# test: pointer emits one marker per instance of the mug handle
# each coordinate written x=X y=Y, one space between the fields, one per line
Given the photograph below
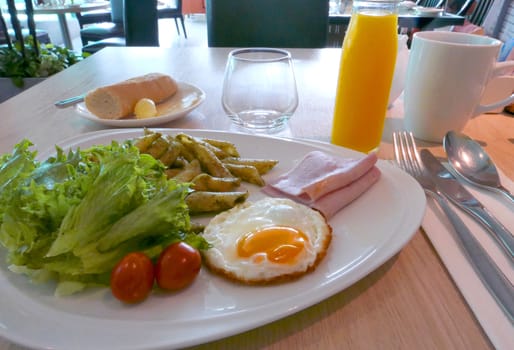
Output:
x=497 y=71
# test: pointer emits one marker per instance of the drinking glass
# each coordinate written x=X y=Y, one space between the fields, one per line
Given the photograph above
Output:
x=259 y=88
x=365 y=74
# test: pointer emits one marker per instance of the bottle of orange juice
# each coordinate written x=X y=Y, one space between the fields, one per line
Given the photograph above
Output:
x=365 y=75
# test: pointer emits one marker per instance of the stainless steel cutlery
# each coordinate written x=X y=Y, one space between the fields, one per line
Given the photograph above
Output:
x=410 y=160
x=461 y=197
x=471 y=162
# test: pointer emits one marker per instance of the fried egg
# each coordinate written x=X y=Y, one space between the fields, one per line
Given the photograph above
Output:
x=270 y=240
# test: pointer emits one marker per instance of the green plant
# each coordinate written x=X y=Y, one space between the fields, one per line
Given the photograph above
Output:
x=27 y=57
x=19 y=62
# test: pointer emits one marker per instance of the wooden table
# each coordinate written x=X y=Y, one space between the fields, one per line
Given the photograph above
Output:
x=62 y=10
x=410 y=302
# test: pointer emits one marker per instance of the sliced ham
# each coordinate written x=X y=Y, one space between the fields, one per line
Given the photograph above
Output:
x=326 y=182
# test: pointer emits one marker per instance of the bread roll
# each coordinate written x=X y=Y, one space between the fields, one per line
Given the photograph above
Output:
x=118 y=100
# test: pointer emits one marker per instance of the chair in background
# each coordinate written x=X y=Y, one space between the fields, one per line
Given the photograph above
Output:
x=174 y=12
x=474 y=11
x=337 y=31
x=106 y=29
x=140 y=21
x=478 y=13
x=430 y=3
x=465 y=8
x=271 y=23
x=41 y=35
x=93 y=17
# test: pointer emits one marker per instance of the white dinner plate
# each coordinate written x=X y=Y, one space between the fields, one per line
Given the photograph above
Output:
x=365 y=234
x=187 y=98
x=428 y=10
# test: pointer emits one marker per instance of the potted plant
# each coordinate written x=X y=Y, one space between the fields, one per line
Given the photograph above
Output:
x=26 y=58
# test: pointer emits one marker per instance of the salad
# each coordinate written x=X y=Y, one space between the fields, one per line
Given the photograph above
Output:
x=74 y=216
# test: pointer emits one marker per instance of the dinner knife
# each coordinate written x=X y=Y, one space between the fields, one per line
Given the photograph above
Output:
x=69 y=101
x=489 y=273
x=460 y=196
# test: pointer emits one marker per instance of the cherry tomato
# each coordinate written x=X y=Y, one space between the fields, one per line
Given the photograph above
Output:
x=177 y=266
x=132 y=278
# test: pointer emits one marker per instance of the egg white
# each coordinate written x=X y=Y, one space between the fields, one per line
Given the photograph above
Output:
x=225 y=229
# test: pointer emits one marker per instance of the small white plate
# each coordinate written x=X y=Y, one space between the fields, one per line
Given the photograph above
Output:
x=428 y=10
x=187 y=98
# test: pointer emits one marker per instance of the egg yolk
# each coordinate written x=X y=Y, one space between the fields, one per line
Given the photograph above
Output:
x=280 y=244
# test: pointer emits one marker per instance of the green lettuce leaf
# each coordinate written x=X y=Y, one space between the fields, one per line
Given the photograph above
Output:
x=74 y=216
x=15 y=168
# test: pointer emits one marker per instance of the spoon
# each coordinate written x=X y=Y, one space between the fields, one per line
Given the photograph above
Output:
x=470 y=161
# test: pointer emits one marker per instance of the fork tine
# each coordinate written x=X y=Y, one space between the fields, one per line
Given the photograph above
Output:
x=410 y=146
x=397 y=155
x=404 y=147
x=401 y=151
x=406 y=153
x=414 y=154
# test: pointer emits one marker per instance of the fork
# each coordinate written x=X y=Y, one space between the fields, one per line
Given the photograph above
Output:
x=408 y=159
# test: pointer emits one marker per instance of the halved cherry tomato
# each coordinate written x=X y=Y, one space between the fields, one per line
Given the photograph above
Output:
x=177 y=266
x=132 y=278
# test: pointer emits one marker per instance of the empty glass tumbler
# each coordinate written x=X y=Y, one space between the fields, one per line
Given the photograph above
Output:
x=259 y=88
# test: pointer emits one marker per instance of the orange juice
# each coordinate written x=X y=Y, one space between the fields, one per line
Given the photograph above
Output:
x=365 y=76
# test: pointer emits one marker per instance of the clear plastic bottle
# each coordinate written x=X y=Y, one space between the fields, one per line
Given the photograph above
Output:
x=365 y=75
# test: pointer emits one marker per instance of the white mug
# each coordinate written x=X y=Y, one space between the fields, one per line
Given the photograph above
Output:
x=446 y=77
